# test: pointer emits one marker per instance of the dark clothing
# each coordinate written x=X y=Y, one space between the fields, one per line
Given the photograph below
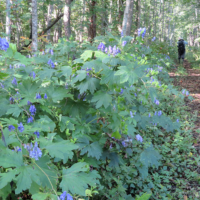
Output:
x=181 y=52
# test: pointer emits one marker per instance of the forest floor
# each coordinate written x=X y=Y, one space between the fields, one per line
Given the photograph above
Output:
x=190 y=82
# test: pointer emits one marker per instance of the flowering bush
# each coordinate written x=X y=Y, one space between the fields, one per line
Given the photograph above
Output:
x=84 y=124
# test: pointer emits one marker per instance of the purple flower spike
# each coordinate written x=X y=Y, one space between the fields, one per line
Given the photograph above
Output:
x=11 y=128
x=63 y=195
x=45 y=96
x=37 y=133
x=14 y=81
x=121 y=91
x=139 y=138
x=124 y=43
x=38 y=96
x=4 y=45
x=32 y=110
x=131 y=114
x=30 y=119
x=177 y=120
x=20 y=127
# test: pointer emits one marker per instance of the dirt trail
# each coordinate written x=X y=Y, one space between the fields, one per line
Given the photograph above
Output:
x=190 y=82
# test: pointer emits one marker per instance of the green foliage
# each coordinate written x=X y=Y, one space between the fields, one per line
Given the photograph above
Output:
x=100 y=133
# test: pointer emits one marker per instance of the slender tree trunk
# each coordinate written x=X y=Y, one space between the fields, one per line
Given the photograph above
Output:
x=120 y=14
x=137 y=21
x=49 y=20
x=8 y=20
x=67 y=15
x=92 y=26
x=163 y=20
x=104 y=18
x=110 y=16
x=155 y=17
x=128 y=15
x=34 y=26
x=82 y=21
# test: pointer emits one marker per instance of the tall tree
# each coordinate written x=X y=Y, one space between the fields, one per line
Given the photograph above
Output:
x=92 y=26
x=49 y=19
x=8 y=20
x=66 y=19
x=138 y=13
x=34 y=26
x=128 y=16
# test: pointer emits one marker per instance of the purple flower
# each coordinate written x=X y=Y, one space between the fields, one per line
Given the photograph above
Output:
x=139 y=138
x=38 y=96
x=111 y=146
x=159 y=113
x=30 y=119
x=142 y=31
x=34 y=75
x=153 y=39
x=110 y=49
x=106 y=50
x=64 y=195
x=20 y=127
x=156 y=101
x=34 y=152
x=4 y=45
x=50 y=62
x=135 y=94
x=11 y=99
x=183 y=92
x=149 y=114
x=124 y=144
x=14 y=81
x=131 y=114
x=32 y=110
x=11 y=128
x=37 y=133
x=121 y=91
x=101 y=47
x=51 y=51
x=18 y=149
x=45 y=96
x=124 y=43
x=187 y=93
x=177 y=120
x=122 y=34
x=29 y=103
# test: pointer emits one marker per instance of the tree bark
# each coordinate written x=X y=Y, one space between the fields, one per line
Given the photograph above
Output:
x=8 y=20
x=137 y=21
x=34 y=26
x=67 y=15
x=120 y=14
x=49 y=20
x=92 y=27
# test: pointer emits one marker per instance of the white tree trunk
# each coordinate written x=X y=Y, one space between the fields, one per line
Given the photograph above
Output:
x=110 y=16
x=67 y=13
x=8 y=20
x=49 y=20
x=128 y=15
x=34 y=26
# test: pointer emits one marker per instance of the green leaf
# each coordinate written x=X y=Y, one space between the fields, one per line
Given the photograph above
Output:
x=65 y=71
x=87 y=54
x=81 y=75
x=150 y=157
x=46 y=73
x=76 y=180
x=57 y=93
x=15 y=110
x=45 y=123
x=3 y=75
x=7 y=178
x=62 y=150
x=94 y=150
x=4 y=192
x=4 y=105
x=28 y=89
x=145 y=196
x=44 y=196
x=89 y=84
x=116 y=135
x=102 y=98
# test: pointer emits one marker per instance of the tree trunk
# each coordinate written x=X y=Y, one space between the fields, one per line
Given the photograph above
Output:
x=120 y=14
x=49 y=20
x=137 y=21
x=128 y=16
x=92 y=27
x=110 y=16
x=67 y=15
x=8 y=20
x=163 y=15
x=34 y=26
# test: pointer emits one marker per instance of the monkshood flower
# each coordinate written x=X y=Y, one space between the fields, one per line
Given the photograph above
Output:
x=121 y=91
x=111 y=146
x=65 y=196
x=159 y=113
x=124 y=144
x=4 y=45
x=106 y=50
x=131 y=114
x=50 y=63
x=37 y=133
x=187 y=93
x=156 y=101
x=1 y=85
x=11 y=99
x=11 y=128
x=38 y=96
x=45 y=96
x=124 y=43
x=30 y=119
x=51 y=51
x=33 y=73
x=101 y=47
x=183 y=92
x=135 y=95
x=143 y=31
x=14 y=81
x=20 y=127
x=122 y=34
x=29 y=103
x=11 y=67
x=153 y=39
x=34 y=151
x=110 y=49
x=17 y=149
x=139 y=138
x=177 y=120
x=32 y=110
x=155 y=113
x=149 y=114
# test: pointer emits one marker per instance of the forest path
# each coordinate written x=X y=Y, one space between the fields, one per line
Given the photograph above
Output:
x=190 y=82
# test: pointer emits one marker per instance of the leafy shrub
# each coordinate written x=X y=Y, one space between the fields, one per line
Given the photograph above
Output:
x=95 y=126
